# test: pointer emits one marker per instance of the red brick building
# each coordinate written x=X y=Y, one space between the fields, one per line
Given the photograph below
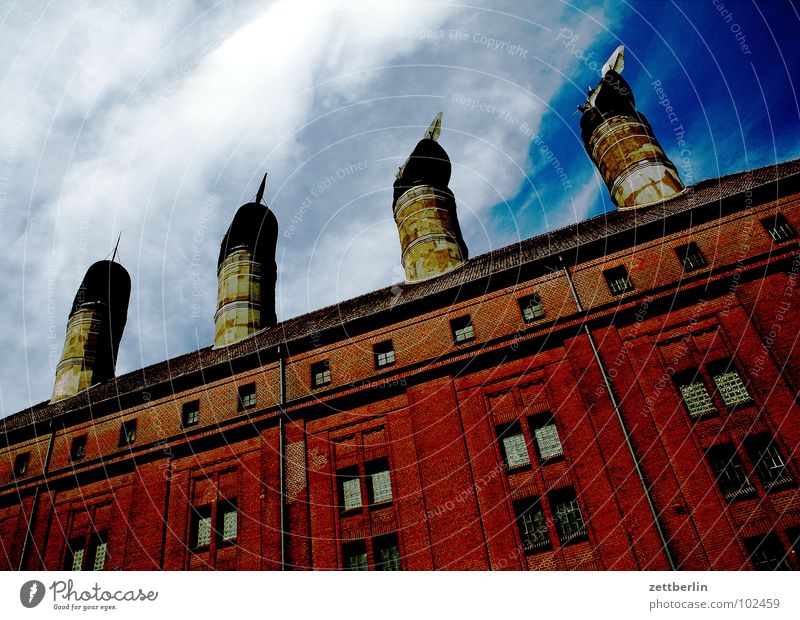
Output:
x=617 y=394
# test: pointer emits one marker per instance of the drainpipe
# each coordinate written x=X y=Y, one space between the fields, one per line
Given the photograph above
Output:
x=621 y=422
x=281 y=458
x=29 y=531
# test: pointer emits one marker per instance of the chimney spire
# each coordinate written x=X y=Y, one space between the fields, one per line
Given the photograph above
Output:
x=620 y=141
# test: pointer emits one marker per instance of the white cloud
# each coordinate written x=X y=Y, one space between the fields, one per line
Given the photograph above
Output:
x=159 y=123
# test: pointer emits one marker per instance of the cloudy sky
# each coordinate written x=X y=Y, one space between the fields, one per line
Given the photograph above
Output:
x=158 y=119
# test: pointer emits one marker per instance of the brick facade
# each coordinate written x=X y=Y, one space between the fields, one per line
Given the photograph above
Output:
x=453 y=423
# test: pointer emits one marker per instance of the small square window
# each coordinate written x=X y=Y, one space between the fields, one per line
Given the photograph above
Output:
x=532 y=525
x=127 y=433
x=730 y=386
x=191 y=413
x=349 y=490
x=545 y=434
x=320 y=373
x=247 y=396
x=531 y=308
x=380 y=482
x=201 y=527
x=354 y=555
x=228 y=518
x=462 y=329
x=78 y=449
x=690 y=256
x=729 y=472
x=387 y=553
x=617 y=280
x=768 y=461
x=567 y=515
x=384 y=354
x=696 y=397
x=515 y=450
x=778 y=228
x=767 y=552
x=21 y=464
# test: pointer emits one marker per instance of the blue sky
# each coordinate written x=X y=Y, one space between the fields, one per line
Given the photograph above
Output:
x=158 y=120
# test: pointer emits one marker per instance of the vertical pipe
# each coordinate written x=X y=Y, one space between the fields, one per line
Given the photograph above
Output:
x=621 y=421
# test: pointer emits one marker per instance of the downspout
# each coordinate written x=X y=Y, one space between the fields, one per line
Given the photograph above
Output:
x=281 y=463
x=621 y=422
x=29 y=531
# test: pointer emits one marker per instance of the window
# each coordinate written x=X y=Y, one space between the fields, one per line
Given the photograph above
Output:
x=567 y=515
x=545 y=434
x=694 y=393
x=228 y=520
x=87 y=552
x=247 y=396
x=380 y=482
x=767 y=552
x=532 y=525
x=191 y=412
x=531 y=308
x=730 y=386
x=387 y=553
x=354 y=555
x=320 y=373
x=462 y=329
x=778 y=228
x=201 y=527
x=729 y=471
x=78 y=449
x=515 y=450
x=384 y=354
x=127 y=433
x=350 y=490
x=768 y=462
x=617 y=280
x=21 y=464
x=690 y=256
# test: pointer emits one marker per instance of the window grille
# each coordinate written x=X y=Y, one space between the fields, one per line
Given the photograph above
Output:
x=355 y=556
x=320 y=373
x=462 y=328
x=100 y=555
x=617 y=280
x=247 y=396
x=384 y=354
x=768 y=462
x=767 y=553
x=515 y=450
x=696 y=398
x=533 y=529
x=77 y=560
x=531 y=308
x=203 y=531
x=191 y=412
x=381 y=486
x=78 y=450
x=568 y=517
x=387 y=553
x=351 y=489
x=230 y=523
x=127 y=433
x=730 y=473
x=778 y=228
x=690 y=256
x=731 y=388
x=548 y=442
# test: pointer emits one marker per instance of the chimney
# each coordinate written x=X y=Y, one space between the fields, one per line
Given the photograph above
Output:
x=247 y=273
x=94 y=329
x=621 y=143
x=425 y=211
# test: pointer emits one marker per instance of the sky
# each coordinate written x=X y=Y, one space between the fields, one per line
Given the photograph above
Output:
x=157 y=120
